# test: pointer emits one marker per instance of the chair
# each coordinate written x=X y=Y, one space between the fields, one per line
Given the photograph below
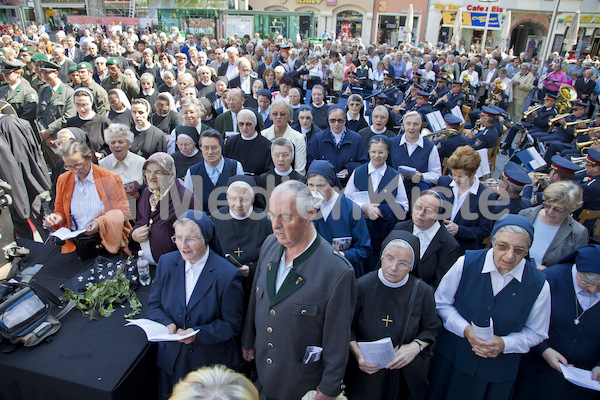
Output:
x=445 y=166
x=492 y=153
x=465 y=110
x=586 y=215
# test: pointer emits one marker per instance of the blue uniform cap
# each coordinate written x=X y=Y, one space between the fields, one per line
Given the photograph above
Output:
x=352 y=73
x=581 y=104
x=585 y=257
x=593 y=156
x=550 y=96
x=452 y=119
x=382 y=96
x=563 y=165
x=517 y=220
x=489 y=111
x=459 y=83
x=515 y=174
x=422 y=93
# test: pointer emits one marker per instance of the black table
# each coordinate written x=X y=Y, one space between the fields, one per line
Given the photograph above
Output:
x=87 y=360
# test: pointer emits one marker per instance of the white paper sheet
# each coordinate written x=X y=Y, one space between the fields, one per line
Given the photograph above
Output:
x=380 y=352
x=580 y=377
x=436 y=121
x=484 y=333
x=457 y=112
x=359 y=198
x=156 y=332
x=65 y=233
x=484 y=165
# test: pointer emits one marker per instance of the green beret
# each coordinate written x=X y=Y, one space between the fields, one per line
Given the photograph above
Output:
x=39 y=56
x=112 y=61
x=72 y=69
x=84 y=65
x=26 y=49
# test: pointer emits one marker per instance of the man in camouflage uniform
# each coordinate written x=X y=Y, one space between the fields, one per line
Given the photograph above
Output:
x=116 y=79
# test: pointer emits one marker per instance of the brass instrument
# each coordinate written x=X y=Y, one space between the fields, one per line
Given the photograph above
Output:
x=558 y=117
x=466 y=85
x=581 y=121
x=499 y=87
x=587 y=130
x=531 y=110
x=566 y=95
x=541 y=176
x=579 y=160
x=492 y=184
x=585 y=146
x=439 y=135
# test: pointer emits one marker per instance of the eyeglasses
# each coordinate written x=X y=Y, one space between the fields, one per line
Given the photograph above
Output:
x=428 y=211
x=185 y=240
x=243 y=200
x=390 y=261
x=557 y=210
x=155 y=173
x=337 y=121
x=519 y=251
x=284 y=217
x=76 y=166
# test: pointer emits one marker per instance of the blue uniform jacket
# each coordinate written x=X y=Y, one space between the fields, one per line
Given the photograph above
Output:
x=351 y=154
x=485 y=138
x=215 y=308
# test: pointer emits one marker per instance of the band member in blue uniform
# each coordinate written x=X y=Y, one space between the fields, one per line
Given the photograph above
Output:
x=423 y=106
x=452 y=99
x=561 y=169
x=538 y=124
x=448 y=145
x=487 y=136
x=590 y=184
x=573 y=336
x=513 y=180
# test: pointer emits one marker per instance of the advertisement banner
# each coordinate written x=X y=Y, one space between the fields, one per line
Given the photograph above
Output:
x=472 y=19
x=204 y=27
x=346 y=33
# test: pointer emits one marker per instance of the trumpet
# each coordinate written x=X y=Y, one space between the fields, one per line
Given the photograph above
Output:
x=541 y=176
x=531 y=110
x=558 y=117
x=581 y=121
x=585 y=146
x=579 y=160
x=587 y=130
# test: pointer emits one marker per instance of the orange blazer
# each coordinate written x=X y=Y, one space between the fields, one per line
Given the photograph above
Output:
x=110 y=189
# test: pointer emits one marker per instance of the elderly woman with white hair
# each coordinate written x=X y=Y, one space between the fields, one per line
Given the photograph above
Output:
x=121 y=161
x=205 y=85
x=242 y=228
x=392 y=303
x=191 y=112
x=249 y=147
x=214 y=383
x=495 y=306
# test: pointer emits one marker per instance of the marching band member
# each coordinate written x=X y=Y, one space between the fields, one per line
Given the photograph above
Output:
x=487 y=136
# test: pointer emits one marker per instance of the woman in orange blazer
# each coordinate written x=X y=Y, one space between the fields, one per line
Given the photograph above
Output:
x=88 y=197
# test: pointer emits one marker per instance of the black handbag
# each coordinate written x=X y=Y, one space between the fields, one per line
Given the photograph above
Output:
x=88 y=246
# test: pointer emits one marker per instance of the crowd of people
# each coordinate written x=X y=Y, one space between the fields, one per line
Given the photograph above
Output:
x=299 y=200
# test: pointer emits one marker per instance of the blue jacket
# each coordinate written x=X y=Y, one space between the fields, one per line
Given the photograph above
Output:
x=471 y=231
x=351 y=154
x=346 y=220
x=485 y=138
x=215 y=308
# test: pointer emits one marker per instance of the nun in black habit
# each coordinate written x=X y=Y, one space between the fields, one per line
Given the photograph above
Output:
x=393 y=303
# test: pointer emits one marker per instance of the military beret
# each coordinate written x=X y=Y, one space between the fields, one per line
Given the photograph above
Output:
x=112 y=61
x=84 y=65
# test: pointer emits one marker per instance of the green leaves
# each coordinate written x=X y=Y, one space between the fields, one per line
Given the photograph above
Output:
x=103 y=296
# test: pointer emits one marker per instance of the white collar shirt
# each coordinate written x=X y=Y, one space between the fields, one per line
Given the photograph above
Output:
x=426 y=236
x=192 y=274
x=458 y=201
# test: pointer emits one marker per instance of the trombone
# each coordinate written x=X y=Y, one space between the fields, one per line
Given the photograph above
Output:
x=532 y=109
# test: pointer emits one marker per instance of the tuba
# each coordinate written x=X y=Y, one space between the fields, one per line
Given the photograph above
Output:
x=499 y=87
x=566 y=95
x=466 y=85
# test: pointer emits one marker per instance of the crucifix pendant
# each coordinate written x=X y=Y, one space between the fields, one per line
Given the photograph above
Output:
x=238 y=252
x=387 y=320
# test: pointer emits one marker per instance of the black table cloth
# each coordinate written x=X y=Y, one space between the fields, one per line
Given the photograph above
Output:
x=88 y=360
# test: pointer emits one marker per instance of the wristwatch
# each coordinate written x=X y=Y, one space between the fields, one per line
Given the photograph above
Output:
x=420 y=345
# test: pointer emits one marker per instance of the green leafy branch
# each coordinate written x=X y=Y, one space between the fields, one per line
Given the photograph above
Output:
x=102 y=297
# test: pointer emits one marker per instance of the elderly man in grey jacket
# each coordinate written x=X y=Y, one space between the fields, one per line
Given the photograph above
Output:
x=302 y=303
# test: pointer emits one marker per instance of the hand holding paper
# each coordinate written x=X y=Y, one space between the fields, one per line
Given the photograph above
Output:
x=156 y=332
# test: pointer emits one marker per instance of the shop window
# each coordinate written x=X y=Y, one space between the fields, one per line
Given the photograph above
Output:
x=349 y=24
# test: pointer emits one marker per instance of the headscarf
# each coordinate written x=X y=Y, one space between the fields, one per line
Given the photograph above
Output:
x=388 y=161
x=586 y=258
x=306 y=107
x=167 y=164
x=123 y=98
x=326 y=170
x=412 y=241
x=517 y=220
x=189 y=132
x=207 y=228
x=170 y=98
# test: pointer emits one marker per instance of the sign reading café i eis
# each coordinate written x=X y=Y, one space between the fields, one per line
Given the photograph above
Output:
x=474 y=8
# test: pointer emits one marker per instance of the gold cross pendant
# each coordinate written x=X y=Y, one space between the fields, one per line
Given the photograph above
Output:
x=387 y=320
x=238 y=252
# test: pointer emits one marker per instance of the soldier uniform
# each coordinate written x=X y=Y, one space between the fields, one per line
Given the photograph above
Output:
x=101 y=105
x=123 y=82
x=22 y=97
x=55 y=105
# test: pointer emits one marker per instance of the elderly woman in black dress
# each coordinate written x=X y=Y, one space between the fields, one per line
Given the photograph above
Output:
x=393 y=303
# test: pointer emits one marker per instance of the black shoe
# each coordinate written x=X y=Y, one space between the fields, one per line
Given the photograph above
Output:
x=504 y=152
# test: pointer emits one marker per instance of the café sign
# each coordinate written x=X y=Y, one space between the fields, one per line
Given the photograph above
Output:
x=476 y=8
